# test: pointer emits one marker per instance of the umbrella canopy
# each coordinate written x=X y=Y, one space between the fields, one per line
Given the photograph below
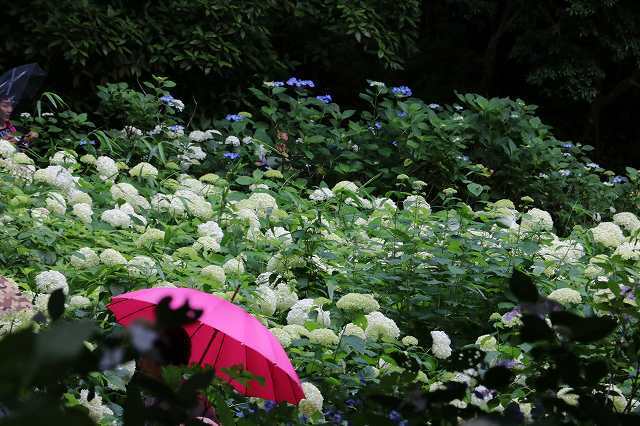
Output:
x=22 y=82
x=224 y=336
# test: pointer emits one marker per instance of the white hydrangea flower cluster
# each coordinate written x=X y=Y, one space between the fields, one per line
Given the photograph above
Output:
x=97 y=410
x=441 y=344
x=321 y=194
x=536 y=220
x=628 y=221
x=565 y=296
x=111 y=257
x=142 y=266
x=380 y=327
x=608 y=234
x=214 y=272
x=63 y=158
x=49 y=281
x=144 y=170
x=85 y=258
x=313 y=400
x=358 y=302
x=107 y=168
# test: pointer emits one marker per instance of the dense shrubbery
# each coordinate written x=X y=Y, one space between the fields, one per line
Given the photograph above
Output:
x=397 y=276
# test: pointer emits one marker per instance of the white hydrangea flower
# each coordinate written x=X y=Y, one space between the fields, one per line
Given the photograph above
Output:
x=285 y=297
x=128 y=193
x=487 y=343
x=313 y=400
x=628 y=250
x=56 y=203
x=39 y=214
x=142 y=266
x=264 y=300
x=566 y=394
x=111 y=257
x=88 y=159
x=211 y=229
x=83 y=212
x=321 y=194
x=352 y=329
x=345 y=185
x=63 y=158
x=283 y=337
x=78 y=302
x=627 y=220
x=608 y=234
x=116 y=218
x=409 y=341
x=207 y=244
x=358 y=302
x=150 y=236
x=281 y=234
x=49 y=281
x=563 y=251
x=295 y=331
x=107 y=168
x=85 y=258
x=7 y=149
x=144 y=170
x=214 y=272
x=441 y=344
x=299 y=313
x=565 y=296
x=199 y=136
x=379 y=326
x=323 y=336
x=416 y=202
x=56 y=176
x=233 y=266
x=536 y=220
x=132 y=131
x=250 y=217
x=232 y=140
x=97 y=410
x=75 y=196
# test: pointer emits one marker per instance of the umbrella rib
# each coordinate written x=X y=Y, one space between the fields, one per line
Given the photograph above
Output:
x=196 y=332
x=204 y=353
x=135 y=312
x=219 y=350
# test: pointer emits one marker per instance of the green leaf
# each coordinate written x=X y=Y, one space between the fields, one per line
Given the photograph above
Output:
x=475 y=188
x=244 y=180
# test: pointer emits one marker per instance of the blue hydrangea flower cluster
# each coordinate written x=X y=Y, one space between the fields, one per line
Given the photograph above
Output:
x=401 y=91
x=172 y=102
x=294 y=82
x=401 y=114
x=619 y=179
x=325 y=99
x=176 y=128
x=234 y=117
x=568 y=145
x=231 y=155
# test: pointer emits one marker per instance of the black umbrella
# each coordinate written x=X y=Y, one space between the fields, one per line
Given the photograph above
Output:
x=21 y=82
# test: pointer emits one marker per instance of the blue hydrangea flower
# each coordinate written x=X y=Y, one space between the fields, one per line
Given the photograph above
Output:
x=176 y=128
x=378 y=125
x=231 y=155
x=568 y=145
x=434 y=106
x=394 y=416
x=234 y=117
x=564 y=172
x=592 y=165
x=619 y=179
x=401 y=91
x=167 y=99
x=293 y=81
x=269 y=405
x=278 y=83
x=325 y=99
x=401 y=114
x=86 y=142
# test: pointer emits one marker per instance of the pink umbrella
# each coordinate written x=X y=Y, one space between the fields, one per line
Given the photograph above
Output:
x=224 y=336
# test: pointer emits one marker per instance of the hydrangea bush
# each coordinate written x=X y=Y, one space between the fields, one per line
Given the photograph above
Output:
x=369 y=292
